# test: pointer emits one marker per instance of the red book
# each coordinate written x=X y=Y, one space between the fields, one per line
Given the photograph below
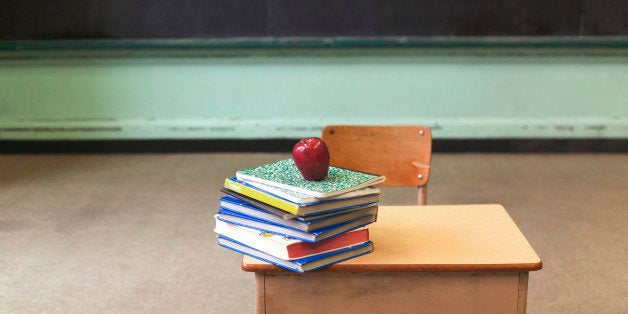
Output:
x=286 y=248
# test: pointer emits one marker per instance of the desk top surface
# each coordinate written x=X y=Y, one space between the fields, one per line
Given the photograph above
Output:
x=437 y=238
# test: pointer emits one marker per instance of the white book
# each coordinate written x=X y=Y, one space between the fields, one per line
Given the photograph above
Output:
x=310 y=223
x=286 y=248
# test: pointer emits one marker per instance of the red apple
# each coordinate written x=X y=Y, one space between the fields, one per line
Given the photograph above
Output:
x=312 y=158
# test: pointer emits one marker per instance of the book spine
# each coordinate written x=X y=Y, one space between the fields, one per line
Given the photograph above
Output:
x=261 y=196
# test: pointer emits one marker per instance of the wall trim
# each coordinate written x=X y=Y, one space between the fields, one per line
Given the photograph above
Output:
x=310 y=46
x=285 y=146
x=512 y=128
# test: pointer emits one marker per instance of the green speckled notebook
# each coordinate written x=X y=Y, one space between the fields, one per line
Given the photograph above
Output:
x=284 y=174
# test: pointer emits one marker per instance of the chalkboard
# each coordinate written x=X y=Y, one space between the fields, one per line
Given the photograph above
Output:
x=145 y=19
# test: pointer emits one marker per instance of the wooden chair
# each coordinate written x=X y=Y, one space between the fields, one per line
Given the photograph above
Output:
x=401 y=153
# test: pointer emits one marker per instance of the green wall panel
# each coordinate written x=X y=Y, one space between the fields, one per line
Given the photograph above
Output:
x=460 y=94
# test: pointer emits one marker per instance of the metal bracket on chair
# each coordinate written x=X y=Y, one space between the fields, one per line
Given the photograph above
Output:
x=423 y=172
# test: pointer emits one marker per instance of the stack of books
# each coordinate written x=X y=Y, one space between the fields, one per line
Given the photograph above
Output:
x=273 y=214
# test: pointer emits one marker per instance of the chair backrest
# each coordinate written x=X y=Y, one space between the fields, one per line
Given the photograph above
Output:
x=401 y=153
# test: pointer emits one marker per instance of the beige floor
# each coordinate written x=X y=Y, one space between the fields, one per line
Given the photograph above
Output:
x=133 y=233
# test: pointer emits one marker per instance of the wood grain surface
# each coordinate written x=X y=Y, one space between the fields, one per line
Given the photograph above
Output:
x=437 y=238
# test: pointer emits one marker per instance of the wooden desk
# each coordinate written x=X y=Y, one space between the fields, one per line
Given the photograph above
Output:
x=428 y=259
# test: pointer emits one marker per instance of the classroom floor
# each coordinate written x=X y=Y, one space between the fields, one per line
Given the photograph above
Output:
x=133 y=233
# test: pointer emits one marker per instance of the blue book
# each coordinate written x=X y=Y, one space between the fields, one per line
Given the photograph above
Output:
x=310 y=223
x=299 y=265
x=312 y=236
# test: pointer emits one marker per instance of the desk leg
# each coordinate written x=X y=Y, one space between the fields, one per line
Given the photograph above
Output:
x=260 y=303
x=522 y=298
